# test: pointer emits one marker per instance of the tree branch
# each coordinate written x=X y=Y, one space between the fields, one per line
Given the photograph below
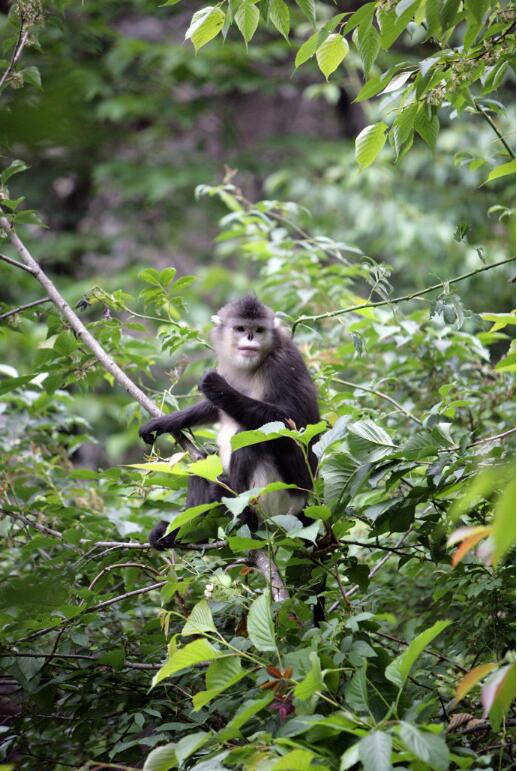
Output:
x=380 y=395
x=16 y=53
x=16 y=264
x=481 y=110
x=21 y=308
x=82 y=332
x=395 y=300
x=51 y=655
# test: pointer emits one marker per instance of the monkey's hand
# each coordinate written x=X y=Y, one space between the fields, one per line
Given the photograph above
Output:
x=164 y=425
x=213 y=386
x=159 y=540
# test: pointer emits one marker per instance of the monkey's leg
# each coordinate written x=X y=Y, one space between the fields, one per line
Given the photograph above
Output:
x=199 y=491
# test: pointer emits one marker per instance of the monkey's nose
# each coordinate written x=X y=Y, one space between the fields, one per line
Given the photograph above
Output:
x=250 y=335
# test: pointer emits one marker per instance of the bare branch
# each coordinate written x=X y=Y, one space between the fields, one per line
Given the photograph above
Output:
x=75 y=656
x=16 y=263
x=82 y=332
x=31 y=523
x=440 y=656
x=108 y=568
x=16 y=53
x=395 y=300
x=380 y=395
x=25 y=307
x=266 y=565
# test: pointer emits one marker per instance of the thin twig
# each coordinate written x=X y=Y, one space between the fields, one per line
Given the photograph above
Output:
x=21 y=308
x=108 y=568
x=380 y=547
x=381 y=395
x=51 y=655
x=93 y=609
x=16 y=53
x=494 y=128
x=485 y=439
x=31 y=523
x=378 y=565
x=437 y=655
x=266 y=565
x=16 y=264
x=395 y=300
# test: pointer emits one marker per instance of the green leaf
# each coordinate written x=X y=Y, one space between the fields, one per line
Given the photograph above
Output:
x=373 y=86
x=161 y=758
x=189 y=515
x=296 y=760
x=209 y=468
x=362 y=15
x=369 y=143
x=477 y=8
x=248 y=710
x=162 y=467
x=260 y=624
x=375 y=751
x=280 y=17
x=398 y=671
x=200 y=620
x=503 y=529
x=392 y=26
x=266 y=433
x=337 y=472
x=331 y=53
x=367 y=439
x=247 y=19
x=421 y=445
x=502 y=171
x=357 y=691
x=221 y=675
x=312 y=682
x=193 y=653
x=427 y=747
x=308 y=8
x=308 y=49
x=239 y=544
x=428 y=128
x=16 y=167
x=205 y=25
x=317 y=512
x=368 y=44
x=189 y=744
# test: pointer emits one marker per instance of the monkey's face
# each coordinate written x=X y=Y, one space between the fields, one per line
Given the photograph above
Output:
x=244 y=343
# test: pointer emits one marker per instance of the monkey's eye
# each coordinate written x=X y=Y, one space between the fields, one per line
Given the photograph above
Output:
x=260 y=330
x=240 y=329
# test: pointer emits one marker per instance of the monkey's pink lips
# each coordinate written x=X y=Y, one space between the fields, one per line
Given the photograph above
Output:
x=248 y=352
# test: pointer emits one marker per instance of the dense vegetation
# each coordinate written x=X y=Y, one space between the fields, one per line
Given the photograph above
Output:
x=353 y=164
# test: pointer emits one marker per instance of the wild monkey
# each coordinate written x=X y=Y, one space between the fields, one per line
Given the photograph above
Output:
x=261 y=377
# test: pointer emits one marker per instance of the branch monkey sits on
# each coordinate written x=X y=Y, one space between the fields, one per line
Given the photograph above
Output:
x=261 y=377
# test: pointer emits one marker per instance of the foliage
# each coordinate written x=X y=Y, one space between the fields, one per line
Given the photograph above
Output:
x=113 y=654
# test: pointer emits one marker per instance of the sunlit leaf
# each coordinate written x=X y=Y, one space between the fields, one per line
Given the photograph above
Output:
x=368 y=144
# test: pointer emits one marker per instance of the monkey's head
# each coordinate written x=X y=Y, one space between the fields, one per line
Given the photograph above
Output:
x=244 y=333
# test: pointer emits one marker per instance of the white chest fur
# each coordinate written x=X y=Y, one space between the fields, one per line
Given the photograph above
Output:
x=279 y=502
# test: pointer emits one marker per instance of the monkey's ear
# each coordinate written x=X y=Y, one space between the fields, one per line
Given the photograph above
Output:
x=277 y=322
x=216 y=319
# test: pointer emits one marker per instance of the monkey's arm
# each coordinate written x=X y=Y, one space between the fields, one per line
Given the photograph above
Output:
x=203 y=412
x=250 y=413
